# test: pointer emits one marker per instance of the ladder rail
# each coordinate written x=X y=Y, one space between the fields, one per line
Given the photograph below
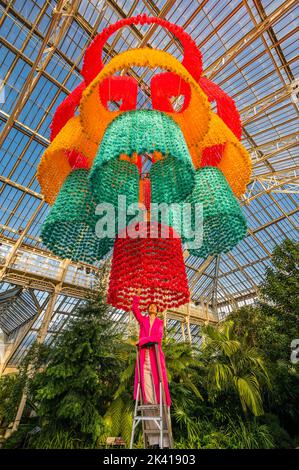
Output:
x=134 y=424
x=161 y=414
x=167 y=413
x=138 y=398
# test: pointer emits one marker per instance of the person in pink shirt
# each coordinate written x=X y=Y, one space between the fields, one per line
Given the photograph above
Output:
x=150 y=331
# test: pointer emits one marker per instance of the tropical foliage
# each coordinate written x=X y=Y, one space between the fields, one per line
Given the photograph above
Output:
x=75 y=387
x=239 y=389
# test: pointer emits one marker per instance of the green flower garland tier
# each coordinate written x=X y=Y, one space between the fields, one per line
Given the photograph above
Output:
x=218 y=221
x=139 y=132
x=69 y=228
x=224 y=224
x=113 y=179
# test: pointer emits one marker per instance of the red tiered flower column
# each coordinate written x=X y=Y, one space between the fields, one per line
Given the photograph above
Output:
x=150 y=265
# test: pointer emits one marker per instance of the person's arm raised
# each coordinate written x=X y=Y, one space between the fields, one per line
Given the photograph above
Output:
x=136 y=310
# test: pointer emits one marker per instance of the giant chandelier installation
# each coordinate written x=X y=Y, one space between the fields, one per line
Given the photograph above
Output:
x=95 y=156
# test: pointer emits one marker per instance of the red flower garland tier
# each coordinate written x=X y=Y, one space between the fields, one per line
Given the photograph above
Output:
x=148 y=258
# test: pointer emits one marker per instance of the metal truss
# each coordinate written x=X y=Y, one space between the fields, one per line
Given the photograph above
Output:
x=219 y=284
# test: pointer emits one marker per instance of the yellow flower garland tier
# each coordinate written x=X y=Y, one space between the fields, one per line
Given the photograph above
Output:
x=54 y=166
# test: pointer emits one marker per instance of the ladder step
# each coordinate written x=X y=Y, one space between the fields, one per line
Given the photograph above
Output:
x=154 y=431
x=148 y=407
x=147 y=418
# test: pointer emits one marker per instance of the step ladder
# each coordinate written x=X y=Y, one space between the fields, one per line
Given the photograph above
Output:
x=158 y=414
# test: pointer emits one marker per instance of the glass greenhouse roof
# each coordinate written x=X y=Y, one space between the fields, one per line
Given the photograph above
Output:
x=249 y=49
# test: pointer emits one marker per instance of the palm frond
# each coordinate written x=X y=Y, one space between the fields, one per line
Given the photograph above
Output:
x=219 y=375
x=249 y=394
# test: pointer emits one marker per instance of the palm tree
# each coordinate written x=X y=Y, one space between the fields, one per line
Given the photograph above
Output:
x=234 y=365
